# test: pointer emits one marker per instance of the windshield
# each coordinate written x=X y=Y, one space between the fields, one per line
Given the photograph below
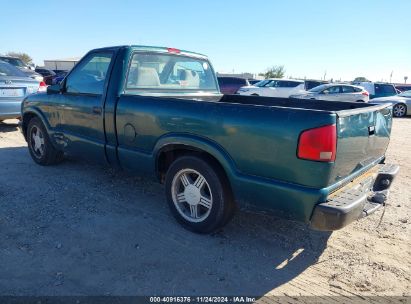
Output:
x=317 y=89
x=13 y=61
x=158 y=72
x=9 y=70
x=405 y=94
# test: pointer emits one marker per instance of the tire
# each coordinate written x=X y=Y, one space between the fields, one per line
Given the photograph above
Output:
x=254 y=94
x=360 y=100
x=400 y=110
x=198 y=194
x=40 y=147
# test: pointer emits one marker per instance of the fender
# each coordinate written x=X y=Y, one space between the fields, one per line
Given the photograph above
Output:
x=33 y=110
x=199 y=143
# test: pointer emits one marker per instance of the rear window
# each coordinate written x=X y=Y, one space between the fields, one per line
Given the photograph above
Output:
x=385 y=88
x=288 y=84
x=169 y=72
x=13 y=61
x=347 y=89
x=9 y=70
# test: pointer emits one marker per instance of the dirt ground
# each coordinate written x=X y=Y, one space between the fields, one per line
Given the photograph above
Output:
x=81 y=229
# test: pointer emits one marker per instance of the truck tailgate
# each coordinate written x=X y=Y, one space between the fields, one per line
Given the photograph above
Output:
x=363 y=137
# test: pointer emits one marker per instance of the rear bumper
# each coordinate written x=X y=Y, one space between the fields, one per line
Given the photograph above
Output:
x=358 y=199
x=10 y=109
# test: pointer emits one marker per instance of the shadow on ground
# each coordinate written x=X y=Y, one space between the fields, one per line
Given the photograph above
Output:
x=80 y=229
x=8 y=127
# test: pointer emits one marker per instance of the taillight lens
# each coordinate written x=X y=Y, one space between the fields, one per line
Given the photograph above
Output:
x=319 y=144
x=42 y=87
x=365 y=93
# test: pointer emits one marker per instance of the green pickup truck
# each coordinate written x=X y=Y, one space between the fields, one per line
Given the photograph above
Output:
x=159 y=113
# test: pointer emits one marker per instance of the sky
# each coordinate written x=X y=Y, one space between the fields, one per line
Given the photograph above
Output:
x=312 y=39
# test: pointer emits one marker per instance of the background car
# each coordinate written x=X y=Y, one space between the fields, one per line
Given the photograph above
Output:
x=18 y=63
x=230 y=85
x=274 y=87
x=47 y=74
x=253 y=81
x=404 y=87
x=336 y=92
x=377 y=89
x=401 y=102
x=310 y=84
x=14 y=86
x=59 y=77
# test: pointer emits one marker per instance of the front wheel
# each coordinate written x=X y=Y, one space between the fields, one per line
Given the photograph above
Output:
x=40 y=147
x=400 y=110
x=198 y=194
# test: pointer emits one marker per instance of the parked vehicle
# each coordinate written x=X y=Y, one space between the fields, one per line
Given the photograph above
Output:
x=59 y=77
x=401 y=102
x=336 y=92
x=26 y=69
x=403 y=88
x=253 y=81
x=377 y=89
x=274 y=88
x=310 y=84
x=14 y=86
x=47 y=74
x=230 y=85
x=158 y=112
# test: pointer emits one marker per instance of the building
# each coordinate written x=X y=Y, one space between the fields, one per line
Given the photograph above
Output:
x=61 y=64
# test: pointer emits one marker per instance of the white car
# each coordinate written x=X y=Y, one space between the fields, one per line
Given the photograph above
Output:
x=274 y=87
x=336 y=92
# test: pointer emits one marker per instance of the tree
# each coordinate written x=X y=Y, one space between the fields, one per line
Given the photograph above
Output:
x=276 y=71
x=23 y=56
x=360 y=79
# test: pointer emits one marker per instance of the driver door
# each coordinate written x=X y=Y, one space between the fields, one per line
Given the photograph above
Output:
x=82 y=102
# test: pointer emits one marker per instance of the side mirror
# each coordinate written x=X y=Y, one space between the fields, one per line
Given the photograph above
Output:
x=55 y=89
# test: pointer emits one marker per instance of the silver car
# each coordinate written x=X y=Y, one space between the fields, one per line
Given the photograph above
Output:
x=14 y=86
x=401 y=102
x=336 y=92
x=26 y=69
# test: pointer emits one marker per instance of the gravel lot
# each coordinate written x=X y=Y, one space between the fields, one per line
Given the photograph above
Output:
x=81 y=229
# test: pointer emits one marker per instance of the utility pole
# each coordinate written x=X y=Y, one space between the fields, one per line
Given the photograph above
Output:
x=405 y=79
x=391 y=76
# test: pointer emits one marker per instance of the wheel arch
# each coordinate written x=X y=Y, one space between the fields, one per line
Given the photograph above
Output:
x=29 y=115
x=170 y=148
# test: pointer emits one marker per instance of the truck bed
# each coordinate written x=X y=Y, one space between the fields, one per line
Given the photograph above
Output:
x=318 y=105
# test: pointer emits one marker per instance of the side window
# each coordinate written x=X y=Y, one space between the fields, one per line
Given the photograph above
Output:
x=332 y=90
x=388 y=89
x=89 y=76
x=293 y=84
x=347 y=89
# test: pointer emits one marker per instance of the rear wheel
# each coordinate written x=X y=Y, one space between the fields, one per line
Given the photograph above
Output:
x=400 y=110
x=40 y=147
x=254 y=94
x=198 y=194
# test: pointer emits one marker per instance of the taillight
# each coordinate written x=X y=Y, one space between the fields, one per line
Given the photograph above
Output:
x=173 y=50
x=365 y=93
x=42 y=87
x=319 y=144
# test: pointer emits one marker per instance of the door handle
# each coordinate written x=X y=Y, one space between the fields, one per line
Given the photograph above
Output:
x=97 y=110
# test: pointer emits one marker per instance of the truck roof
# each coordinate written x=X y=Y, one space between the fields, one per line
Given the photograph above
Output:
x=159 y=49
